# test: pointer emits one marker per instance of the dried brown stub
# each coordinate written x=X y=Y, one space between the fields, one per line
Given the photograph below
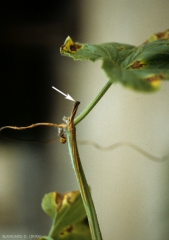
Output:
x=62 y=135
x=63 y=139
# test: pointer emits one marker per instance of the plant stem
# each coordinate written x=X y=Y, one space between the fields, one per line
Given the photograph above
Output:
x=93 y=103
x=77 y=166
x=81 y=179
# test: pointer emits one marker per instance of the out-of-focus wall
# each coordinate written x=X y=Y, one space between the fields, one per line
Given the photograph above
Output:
x=130 y=191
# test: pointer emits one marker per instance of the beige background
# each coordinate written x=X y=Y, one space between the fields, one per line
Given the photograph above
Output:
x=129 y=190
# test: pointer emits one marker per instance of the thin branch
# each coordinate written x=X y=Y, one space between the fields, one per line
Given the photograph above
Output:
x=35 y=125
x=94 y=102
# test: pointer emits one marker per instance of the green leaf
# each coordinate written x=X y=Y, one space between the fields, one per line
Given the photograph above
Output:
x=153 y=55
x=114 y=51
x=140 y=68
x=69 y=221
x=126 y=77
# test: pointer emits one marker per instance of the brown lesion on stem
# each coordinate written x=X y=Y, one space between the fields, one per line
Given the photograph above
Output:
x=73 y=113
x=77 y=164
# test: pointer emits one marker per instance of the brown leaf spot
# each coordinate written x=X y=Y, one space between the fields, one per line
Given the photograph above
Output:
x=70 y=197
x=59 y=200
x=154 y=78
x=70 y=46
x=158 y=36
x=163 y=35
x=137 y=65
x=121 y=48
x=67 y=230
x=74 y=47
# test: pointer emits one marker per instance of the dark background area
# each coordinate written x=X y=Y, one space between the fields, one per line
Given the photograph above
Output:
x=31 y=32
x=31 y=35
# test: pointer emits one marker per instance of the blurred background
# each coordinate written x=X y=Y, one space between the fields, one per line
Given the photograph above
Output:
x=130 y=191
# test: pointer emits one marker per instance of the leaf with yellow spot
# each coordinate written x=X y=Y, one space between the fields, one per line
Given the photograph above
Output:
x=70 y=46
x=157 y=36
x=69 y=221
x=141 y=68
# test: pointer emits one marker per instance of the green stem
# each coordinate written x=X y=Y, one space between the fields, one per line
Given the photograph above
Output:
x=93 y=103
x=83 y=185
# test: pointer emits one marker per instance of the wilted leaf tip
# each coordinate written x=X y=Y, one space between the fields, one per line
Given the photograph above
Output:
x=69 y=46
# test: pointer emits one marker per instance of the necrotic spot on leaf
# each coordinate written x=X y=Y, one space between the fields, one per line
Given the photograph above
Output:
x=74 y=47
x=67 y=230
x=155 y=80
x=137 y=65
x=70 y=46
x=163 y=35
x=59 y=200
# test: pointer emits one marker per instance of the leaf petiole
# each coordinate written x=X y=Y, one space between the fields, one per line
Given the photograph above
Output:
x=94 y=102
